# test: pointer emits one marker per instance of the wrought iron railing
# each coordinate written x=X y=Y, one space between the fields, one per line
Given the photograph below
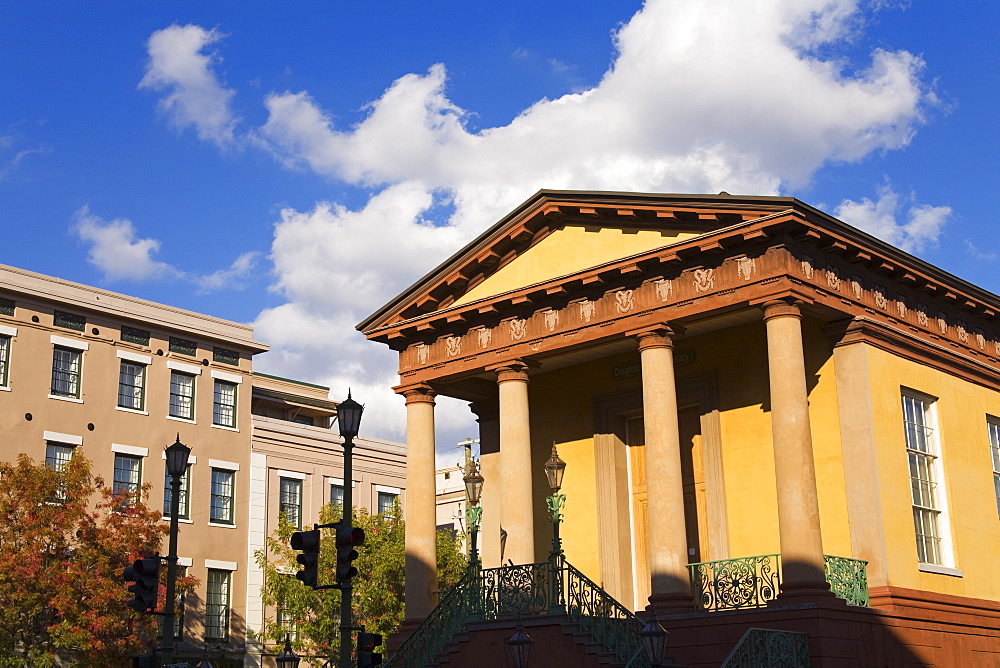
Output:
x=848 y=579
x=769 y=648
x=735 y=584
x=552 y=587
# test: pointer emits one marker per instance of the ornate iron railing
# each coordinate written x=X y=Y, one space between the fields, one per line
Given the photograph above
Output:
x=769 y=648
x=606 y=620
x=735 y=584
x=517 y=590
x=848 y=579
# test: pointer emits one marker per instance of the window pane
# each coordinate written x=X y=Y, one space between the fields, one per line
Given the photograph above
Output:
x=69 y=321
x=133 y=335
x=182 y=346
x=337 y=495
x=183 y=498
x=222 y=496
x=217 y=605
x=131 y=383
x=181 y=395
x=922 y=454
x=4 y=359
x=66 y=372
x=127 y=474
x=224 y=412
x=290 y=504
x=57 y=455
x=385 y=502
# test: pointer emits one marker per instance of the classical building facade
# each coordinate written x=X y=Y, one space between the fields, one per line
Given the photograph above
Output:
x=756 y=402
x=117 y=379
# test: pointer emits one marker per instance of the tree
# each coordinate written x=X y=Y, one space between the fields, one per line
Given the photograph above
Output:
x=65 y=538
x=313 y=617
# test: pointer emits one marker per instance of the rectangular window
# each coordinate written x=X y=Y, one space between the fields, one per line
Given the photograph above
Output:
x=6 y=306
x=133 y=335
x=132 y=385
x=179 y=610
x=225 y=356
x=217 y=605
x=66 y=372
x=57 y=455
x=69 y=321
x=386 y=501
x=4 y=360
x=224 y=407
x=923 y=452
x=182 y=504
x=994 y=427
x=182 y=346
x=286 y=620
x=128 y=475
x=222 y=496
x=181 y=395
x=290 y=503
x=337 y=494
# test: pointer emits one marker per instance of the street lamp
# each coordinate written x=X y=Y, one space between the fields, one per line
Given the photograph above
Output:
x=177 y=460
x=555 y=467
x=349 y=419
x=288 y=658
x=473 y=512
x=519 y=645
x=654 y=641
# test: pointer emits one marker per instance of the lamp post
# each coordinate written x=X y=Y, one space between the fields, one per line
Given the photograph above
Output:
x=177 y=459
x=288 y=658
x=555 y=467
x=349 y=418
x=519 y=645
x=654 y=641
x=473 y=512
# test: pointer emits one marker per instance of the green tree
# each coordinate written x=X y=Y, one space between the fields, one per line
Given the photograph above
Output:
x=65 y=538
x=313 y=617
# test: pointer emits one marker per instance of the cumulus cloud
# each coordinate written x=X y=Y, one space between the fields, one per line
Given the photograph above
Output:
x=181 y=67
x=699 y=97
x=118 y=252
x=900 y=221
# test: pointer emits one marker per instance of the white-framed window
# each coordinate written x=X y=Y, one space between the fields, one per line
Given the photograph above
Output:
x=66 y=368
x=132 y=385
x=290 y=500
x=183 y=507
x=5 y=340
x=993 y=425
x=386 y=502
x=224 y=405
x=128 y=475
x=181 y=395
x=57 y=455
x=223 y=487
x=337 y=493
x=923 y=449
x=217 y=604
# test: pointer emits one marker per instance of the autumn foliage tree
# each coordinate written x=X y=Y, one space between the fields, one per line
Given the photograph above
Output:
x=65 y=538
x=313 y=617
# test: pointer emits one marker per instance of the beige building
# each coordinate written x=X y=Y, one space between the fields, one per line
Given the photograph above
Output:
x=116 y=378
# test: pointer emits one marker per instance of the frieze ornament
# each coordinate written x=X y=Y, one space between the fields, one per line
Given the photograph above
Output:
x=664 y=289
x=624 y=301
x=857 y=288
x=981 y=340
x=518 y=328
x=832 y=279
x=587 y=309
x=422 y=351
x=745 y=266
x=901 y=306
x=551 y=320
x=807 y=267
x=704 y=280
x=880 y=299
x=922 y=316
x=485 y=337
x=963 y=333
x=453 y=346
x=942 y=324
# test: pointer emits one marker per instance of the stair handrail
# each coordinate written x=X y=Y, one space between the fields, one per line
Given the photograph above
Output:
x=769 y=647
x=606 y=620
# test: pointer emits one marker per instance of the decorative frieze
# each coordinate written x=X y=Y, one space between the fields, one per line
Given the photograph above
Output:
x=518 y=329
x=422 y=350
x=587 y=309
x=551 y=320
x=832 y=278
x=745 y=267
x=624 y=301
x=485 y=336
x=664 y=289
x=808 y=267
x=704 y=280
x=453 y=346
x=857 y=288
x=880 y=299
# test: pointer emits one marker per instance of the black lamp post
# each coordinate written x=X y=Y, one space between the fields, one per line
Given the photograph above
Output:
x=519 y=645
x=177 y=459
x=473 y=512
x=555 y=467
x=288 y=658
x=654 y=641
x=349 y=419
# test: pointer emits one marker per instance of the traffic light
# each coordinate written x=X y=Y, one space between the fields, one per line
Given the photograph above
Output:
x=144 y=574
x=348 y=538
x=308 y=543
x=367 y=656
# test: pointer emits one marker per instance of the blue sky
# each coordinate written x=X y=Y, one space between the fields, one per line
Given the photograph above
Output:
x=295 y=165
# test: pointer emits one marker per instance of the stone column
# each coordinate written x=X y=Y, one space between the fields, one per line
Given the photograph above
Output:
x=666 y=535
x=794 y=472
x=487 y=413
x=517 y=503
x=421 y=522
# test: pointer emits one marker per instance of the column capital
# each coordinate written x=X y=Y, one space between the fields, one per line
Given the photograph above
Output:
x=779 y=308
x=417 y=393
x=510 y=370
x=486 y=410
x=656 y=336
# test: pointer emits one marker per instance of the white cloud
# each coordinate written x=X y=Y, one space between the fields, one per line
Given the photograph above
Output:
x=119 y=254
x=194 y=95
x=912 y=230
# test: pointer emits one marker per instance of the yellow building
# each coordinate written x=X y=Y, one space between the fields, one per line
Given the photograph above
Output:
x=755 y=402
x=118 y=378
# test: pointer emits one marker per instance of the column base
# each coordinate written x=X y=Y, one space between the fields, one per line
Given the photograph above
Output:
x=665 y=605
x=806 y=591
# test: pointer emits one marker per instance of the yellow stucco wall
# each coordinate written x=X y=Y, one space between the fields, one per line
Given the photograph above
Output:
x=568 y=250
x=962 y=409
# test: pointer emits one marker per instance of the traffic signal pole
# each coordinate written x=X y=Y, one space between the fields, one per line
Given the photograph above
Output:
x=346 y=617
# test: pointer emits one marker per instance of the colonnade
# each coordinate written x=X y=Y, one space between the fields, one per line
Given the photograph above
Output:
x=798 y=507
